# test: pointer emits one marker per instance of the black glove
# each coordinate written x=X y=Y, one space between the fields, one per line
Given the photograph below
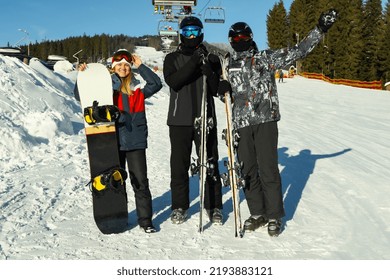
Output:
x=327 y=19
x=206 y=69
x=201 y=52
x=223 y=87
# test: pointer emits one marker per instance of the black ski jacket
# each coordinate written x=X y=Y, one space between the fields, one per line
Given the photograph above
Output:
x=182 y=73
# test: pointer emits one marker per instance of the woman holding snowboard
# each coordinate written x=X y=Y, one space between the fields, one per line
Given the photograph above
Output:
x=129 y=97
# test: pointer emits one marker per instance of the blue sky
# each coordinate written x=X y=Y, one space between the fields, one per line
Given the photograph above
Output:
x=55 y=20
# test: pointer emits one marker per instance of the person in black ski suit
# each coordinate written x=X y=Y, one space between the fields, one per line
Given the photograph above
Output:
x=280 y=73
x=183 y=72
x=255 y=114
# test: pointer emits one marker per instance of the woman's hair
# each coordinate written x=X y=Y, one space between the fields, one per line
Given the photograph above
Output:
x=125 y=83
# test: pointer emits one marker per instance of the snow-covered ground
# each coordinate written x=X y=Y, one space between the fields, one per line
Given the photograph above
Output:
x=334 y=147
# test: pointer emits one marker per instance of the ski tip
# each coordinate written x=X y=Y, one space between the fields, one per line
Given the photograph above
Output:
x=240 y=234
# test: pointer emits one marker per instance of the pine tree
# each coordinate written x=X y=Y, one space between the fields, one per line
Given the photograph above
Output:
x=277 y=27
x=315 y=61
x=297 y=21
x=303 y=17
x=344 y=41
x=351 y=29
x=384 y=52
x=372 y=36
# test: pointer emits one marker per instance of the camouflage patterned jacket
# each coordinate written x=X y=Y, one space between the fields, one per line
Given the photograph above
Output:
x=252 y=77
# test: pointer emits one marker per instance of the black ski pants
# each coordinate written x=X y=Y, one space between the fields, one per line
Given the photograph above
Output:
x=181 y=138
x=257 y=150
x=136 y=163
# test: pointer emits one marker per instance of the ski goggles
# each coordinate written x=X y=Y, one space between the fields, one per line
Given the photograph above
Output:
x=240 y=37
x=119 y=56
x=191 y=30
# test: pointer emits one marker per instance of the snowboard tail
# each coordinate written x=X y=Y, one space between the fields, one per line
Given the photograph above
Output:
x=108 y=211
x=109 y=198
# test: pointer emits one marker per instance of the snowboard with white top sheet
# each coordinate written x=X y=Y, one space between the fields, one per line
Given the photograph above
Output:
x=107 y=179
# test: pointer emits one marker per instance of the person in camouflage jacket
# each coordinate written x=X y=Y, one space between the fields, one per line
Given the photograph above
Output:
x=251 y=75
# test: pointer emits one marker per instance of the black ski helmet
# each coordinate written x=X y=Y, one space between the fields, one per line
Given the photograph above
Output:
x=190 y=20
x=194 y=42
x=240 y=29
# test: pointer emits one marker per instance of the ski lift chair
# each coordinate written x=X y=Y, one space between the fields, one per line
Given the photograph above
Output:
x=174 y=2
x=166 y=29
x=214 y=15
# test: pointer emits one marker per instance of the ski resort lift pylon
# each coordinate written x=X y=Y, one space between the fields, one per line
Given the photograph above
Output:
x=214 y=15
x=166 y=28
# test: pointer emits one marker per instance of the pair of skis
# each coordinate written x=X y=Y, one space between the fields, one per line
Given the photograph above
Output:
x=203 y=152
x=233 y=177
x=203 y=125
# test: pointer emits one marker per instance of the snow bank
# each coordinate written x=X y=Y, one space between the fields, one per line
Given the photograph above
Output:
x=36 y=106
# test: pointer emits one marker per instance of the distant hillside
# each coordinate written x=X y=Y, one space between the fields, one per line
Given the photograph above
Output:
x=96 y=48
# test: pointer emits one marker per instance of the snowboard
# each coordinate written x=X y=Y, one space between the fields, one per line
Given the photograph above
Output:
x=107 y=179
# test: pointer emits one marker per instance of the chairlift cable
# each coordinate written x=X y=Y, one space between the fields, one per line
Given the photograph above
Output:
x=204 y=7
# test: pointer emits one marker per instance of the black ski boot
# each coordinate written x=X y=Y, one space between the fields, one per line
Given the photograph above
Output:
x=149 y=229
x=254 y=222
x=178 y=216
x=215 y=216
x=274 y=227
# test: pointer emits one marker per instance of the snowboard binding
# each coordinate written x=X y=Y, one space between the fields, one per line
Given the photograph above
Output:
x=113 y=178
x=100 y=114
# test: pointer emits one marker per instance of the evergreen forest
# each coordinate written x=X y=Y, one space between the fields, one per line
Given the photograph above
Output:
x=95 y=48
x=357 y=47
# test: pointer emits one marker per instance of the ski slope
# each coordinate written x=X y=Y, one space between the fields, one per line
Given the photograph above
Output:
x=334 y=162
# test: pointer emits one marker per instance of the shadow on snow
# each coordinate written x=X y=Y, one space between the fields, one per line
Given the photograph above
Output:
x=295 y=175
